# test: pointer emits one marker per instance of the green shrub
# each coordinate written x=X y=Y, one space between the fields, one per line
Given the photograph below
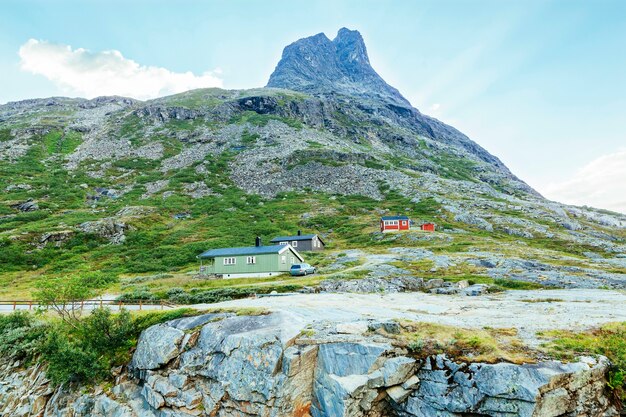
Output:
x=101 y=341
x=21 y=335
x=68 y=361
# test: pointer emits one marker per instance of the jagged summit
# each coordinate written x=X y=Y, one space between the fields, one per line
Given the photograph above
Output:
x=318 y=65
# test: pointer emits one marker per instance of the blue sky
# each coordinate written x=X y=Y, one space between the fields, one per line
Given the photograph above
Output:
x=540 y=84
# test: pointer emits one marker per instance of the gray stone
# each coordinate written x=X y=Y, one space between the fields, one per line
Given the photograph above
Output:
x=398 y=394
x=397 y=370
x=433 y=283
x=476 y=290
x=157 y=345
x=152 y=397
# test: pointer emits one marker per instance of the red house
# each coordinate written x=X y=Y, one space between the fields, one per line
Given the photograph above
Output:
x=428 y=227
x=394 y=223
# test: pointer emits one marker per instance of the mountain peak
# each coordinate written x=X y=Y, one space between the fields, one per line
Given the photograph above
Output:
x=318 y=65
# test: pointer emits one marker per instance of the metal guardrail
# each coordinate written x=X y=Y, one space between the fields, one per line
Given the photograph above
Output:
x=91 y=304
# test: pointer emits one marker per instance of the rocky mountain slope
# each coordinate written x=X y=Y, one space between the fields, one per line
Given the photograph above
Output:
x=131 y=187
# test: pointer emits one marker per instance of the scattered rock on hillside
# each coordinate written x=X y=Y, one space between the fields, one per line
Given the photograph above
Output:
x=474 y=221
x=198 y=190
x=108 y=228
x=57 y=238
x=26 y=206
x=21 y=187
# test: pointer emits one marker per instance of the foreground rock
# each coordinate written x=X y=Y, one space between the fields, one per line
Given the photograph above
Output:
x=227 y=365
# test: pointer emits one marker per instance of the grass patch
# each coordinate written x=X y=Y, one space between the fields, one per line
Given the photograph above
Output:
x=257 y=119
x=608 y=340
x=248 y=138
x=476 y=345
x=455 y=167
x=5 y=135
x=542 y=300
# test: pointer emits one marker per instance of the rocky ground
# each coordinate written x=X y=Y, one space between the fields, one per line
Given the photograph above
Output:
x=527 y=311
x=276 y=365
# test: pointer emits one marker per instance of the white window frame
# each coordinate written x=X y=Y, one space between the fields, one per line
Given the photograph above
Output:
x=230 y=261
x=283 y=259
x=283 y=243
x=251 y=260
x=294 y=243
x=293 y=260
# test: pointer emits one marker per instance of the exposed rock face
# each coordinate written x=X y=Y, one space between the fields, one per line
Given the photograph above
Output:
x=226 y=365
x=317 y=64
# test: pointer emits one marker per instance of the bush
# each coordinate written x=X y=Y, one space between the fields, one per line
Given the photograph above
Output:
x=68 y=361
x=180 y=296
x=83 y=353
x=87 y=353
x=21 y=335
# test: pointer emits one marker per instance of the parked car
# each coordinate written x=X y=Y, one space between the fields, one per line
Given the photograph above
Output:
x=302 y=269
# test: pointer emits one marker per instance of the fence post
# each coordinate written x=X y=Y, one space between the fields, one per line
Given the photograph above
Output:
x=14 y=304
x=30 y=305
x=140 y=302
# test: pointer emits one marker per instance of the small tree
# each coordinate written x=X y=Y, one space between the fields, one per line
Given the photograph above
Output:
x=65 y=295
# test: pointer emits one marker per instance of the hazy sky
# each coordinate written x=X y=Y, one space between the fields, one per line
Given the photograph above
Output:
x=540 y=84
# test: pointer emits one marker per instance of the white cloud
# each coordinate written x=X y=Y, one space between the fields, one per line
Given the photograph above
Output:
x=91 y=74
x=601 y=183
x=435 y=107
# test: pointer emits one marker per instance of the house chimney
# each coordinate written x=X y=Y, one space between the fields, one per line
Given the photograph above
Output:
x=299 y=232
x=257 y=241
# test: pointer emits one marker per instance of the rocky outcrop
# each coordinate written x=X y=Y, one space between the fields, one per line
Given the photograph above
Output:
x=267 y=365
x=26 y=206
x=372 y=285
x=109 y=228
x=318 y=64
x=57 y=238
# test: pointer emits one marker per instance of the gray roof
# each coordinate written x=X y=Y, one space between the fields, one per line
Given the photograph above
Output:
x=395 y=217
x=297 y=237
x=248 y=250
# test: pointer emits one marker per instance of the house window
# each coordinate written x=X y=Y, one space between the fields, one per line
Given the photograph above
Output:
x=251 y=260
x=293 y=260
x=283 y=259
x=230 y=261
x=282 y=243
x=294 y=243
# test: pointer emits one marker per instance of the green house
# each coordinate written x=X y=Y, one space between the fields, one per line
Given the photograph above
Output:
x=252 y=261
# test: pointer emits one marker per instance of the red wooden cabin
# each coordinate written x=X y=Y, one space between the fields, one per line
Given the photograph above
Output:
x=394 y=223
x=428 y=227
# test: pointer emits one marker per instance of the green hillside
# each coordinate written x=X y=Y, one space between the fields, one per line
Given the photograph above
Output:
x=137 y=189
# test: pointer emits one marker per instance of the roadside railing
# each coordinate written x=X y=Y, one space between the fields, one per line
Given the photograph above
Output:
x=11 y=305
